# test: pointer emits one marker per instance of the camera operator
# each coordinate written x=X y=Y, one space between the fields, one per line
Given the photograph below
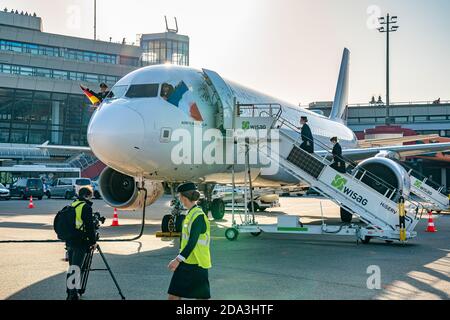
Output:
x=78 y=248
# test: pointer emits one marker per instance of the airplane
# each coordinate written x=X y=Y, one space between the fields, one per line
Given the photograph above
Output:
x=133 y=132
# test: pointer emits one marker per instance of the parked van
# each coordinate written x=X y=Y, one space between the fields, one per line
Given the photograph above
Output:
x=25 y=188
x=68 y=188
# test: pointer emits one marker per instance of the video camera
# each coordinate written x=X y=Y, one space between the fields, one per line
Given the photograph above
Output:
x=98 y=220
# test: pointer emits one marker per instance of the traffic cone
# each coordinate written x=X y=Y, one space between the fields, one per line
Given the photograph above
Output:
x=431 y=227
x=115 y=222
x=31 y=205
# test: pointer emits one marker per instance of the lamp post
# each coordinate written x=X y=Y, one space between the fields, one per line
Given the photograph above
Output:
x=388 y=25
x=95 y=19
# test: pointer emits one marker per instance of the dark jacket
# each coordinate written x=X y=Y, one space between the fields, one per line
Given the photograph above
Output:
x=307 y=138
x=337 y=152
x=338 y=160
x=89 y=234
x=103 y=95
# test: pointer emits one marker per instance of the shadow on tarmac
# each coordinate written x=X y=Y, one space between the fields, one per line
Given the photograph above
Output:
x=274 y=266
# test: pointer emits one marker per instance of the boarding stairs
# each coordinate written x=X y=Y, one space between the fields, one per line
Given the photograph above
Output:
x=434 y=194
x=377 y=207
x=82 y=161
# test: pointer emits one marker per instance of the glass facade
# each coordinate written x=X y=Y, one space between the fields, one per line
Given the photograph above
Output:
x=33 y=117
x=56 y=74
x=66 y=53
x=398 y=120
x=161 y=51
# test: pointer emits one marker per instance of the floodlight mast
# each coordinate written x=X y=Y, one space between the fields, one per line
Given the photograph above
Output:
x=388 y=25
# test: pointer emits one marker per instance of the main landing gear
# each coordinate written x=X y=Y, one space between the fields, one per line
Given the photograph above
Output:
x=216 y=206
x=173 y=222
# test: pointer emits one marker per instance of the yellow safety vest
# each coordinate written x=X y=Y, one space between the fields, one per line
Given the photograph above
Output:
x=78 y=211
x=201 y=254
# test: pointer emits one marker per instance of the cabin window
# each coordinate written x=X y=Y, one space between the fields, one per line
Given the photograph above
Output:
x=143 y=91
x=117 y=92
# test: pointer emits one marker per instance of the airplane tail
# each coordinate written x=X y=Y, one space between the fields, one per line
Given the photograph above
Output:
x=340 y=104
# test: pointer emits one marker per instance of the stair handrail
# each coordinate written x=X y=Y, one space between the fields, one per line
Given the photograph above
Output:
x=328 y=154
x=416 y=174
x=263 y=108
x=418 y=206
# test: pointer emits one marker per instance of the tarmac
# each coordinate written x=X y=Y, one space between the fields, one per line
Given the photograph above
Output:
x=271 y=266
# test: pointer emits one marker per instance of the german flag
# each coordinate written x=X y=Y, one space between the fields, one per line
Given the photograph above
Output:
x=90 y=95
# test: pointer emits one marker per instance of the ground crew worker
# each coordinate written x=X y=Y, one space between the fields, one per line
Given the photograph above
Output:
x=78 y=248
x=307 y=137
x=190 y=267
x=338 y=161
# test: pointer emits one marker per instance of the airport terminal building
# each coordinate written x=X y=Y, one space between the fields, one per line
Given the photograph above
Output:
x=41 y=74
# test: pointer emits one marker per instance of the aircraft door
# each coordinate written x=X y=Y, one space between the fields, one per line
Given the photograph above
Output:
x=225 y=98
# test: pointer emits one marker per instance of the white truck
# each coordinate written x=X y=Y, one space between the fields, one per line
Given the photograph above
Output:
x=262 y=198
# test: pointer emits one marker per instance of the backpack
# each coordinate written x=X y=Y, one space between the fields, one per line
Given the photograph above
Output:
x=64 y=224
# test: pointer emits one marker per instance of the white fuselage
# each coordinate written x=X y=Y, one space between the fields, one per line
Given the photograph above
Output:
x=134 y=135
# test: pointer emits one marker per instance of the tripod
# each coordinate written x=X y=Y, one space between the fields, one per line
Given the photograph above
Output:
x=86 y=268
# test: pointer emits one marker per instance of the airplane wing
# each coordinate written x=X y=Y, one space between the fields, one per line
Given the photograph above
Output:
x=403 y=151
x=391 y=141
x=46 y=146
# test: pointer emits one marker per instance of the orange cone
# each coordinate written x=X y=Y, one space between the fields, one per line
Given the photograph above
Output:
x=115 y=222
x=431 y=227
x=31 y=204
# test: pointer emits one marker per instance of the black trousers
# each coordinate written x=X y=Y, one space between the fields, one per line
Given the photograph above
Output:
x=307 y=146
x=338 y=166
x=77 y=254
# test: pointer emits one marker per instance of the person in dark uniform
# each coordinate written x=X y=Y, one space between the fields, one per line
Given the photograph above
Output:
x=166 y=91
x=338 y=161
x=190 y=268
x=104 y=92
x=102 y=95
x=78 y=248
x=307 y=137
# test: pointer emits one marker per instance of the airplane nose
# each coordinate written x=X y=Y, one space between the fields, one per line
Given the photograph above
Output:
x=116 y=134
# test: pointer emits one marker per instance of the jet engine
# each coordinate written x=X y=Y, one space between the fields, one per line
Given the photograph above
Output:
x=120 y=191
x=385 y=174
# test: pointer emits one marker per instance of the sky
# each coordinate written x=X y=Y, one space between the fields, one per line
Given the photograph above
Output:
x=290 y=49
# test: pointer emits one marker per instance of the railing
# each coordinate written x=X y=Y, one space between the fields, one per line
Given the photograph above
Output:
x=360 y=174
x=409 y=103
x=436 y=186
x=259 y=110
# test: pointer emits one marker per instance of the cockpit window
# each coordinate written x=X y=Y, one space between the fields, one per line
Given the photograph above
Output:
x=143 y=91
x=117 y=92
x=166 y=91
